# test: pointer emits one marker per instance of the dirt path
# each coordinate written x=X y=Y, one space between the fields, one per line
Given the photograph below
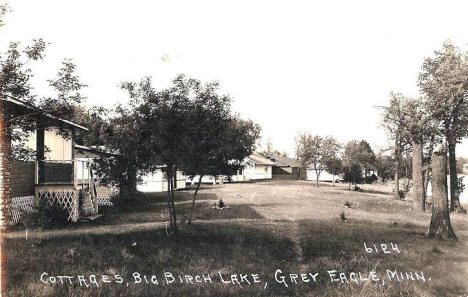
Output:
x=295 y=234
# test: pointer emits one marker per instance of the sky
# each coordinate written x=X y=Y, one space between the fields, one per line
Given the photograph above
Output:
x=290 y=66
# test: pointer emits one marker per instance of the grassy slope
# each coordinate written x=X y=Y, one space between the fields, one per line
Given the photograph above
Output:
x=291 y=226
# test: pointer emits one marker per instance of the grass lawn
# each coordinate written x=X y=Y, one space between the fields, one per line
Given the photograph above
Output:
x=270 y=226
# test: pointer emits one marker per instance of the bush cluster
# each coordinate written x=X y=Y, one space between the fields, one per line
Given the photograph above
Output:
x=46 y=215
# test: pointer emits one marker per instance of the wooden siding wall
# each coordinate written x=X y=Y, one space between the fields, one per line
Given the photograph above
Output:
x=22 y=178
x=60 y=148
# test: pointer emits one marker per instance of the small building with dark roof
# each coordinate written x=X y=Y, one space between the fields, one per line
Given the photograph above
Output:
x=285 y=168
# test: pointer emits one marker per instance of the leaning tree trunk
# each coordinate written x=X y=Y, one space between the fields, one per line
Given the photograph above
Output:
x=440 y=226
x=454 y=199
x=5 y=166
x=194 y=198
x=418 y=177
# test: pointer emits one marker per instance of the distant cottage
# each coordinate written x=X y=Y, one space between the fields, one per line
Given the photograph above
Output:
x=285 y=168
x=157 y=182
x=254 y=168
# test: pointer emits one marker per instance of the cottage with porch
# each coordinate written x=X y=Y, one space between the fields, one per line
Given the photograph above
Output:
x=56 y=174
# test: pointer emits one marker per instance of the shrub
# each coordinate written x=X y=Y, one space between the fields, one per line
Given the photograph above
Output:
x=47 y=215
x=347 y=204
x=436 y=250
x=129 y=200
x=103 y=209
x=371 y=179
x=402 y=194
x=342 y=216
x=220 y=204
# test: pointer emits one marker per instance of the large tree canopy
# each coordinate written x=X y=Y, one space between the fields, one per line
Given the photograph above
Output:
x=444 y=82
x=186 y=127
x=410 y=126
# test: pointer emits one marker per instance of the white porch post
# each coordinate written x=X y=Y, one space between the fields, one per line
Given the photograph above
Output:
x=75 y=172
x=36 y=172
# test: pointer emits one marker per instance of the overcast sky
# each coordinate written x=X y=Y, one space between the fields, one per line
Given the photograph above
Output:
x=289 y=65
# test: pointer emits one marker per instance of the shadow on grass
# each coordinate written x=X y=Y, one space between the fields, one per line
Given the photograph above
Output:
x=243 y=247
x=180 y=196
x=159 y=213
x=340 y=246
x=198 y=250
x=348 y=238
x=205 y=211
x=371 y=191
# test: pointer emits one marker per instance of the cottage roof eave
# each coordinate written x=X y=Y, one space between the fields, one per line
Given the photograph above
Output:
x=29 y=106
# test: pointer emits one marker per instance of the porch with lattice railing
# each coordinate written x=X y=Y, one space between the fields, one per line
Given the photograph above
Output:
x=64 y=195
x=68 y=183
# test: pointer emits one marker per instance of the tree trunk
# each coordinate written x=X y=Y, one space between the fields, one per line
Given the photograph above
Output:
x=407 y=185
x=440 y=226
x=132 y=180
x=169 y=205
x=174 y=217
x=128 y=183
x=194 y=198
x=454 y=199
x=5 y=167
x=418 y=177
x=396 y=194
x=317 y=176
x=333 y=180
